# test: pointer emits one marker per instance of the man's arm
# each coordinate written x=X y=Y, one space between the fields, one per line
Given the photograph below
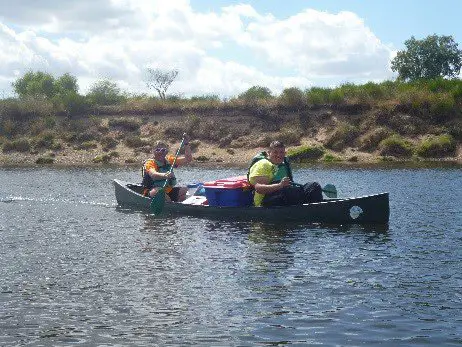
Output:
x=186 y=158
x=263 y=186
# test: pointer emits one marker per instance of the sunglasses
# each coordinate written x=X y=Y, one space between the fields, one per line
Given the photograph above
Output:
x=161 y=150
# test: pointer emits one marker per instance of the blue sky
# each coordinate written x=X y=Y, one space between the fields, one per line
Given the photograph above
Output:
x=219 y=47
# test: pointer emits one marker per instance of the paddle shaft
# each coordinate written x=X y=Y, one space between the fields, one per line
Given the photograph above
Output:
x=174 y=160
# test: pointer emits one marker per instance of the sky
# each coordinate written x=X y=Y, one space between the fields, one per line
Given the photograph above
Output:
x=219 y=47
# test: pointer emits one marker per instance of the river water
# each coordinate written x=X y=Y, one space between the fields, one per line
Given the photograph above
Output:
x=75 y=269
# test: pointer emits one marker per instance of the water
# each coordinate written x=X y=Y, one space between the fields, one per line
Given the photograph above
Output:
x=77 y=270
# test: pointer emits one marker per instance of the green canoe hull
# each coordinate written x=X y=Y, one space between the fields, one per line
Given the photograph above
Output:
x=370 y=209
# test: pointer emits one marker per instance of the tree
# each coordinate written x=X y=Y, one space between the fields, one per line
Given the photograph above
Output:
x=160 y=80
x=105 y=92
x=256 y=92
x=35 y=84
x=293 y=96
x=67 y=83
x=45 y=85
x=434 y=56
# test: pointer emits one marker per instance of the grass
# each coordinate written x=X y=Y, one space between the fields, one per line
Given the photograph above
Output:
x=45 y=140
x=329 y=158
x=127 y=124
x=134 y=141
x=44 y=160
x=396 y=146
x=370 y=141
x=87 y=145
x=108 y=143
x=436 y=146
x=19 y=145
x=102 y=159
x=305 y=153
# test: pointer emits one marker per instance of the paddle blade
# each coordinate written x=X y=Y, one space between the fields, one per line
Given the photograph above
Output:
x=158 y=202
x=330 y=191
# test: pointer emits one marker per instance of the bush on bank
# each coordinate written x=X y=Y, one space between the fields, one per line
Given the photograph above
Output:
x=396 y=146
x=19 y=145
x=305 y=153
x=436 y=146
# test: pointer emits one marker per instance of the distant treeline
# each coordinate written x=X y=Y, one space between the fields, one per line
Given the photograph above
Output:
x=40 y=94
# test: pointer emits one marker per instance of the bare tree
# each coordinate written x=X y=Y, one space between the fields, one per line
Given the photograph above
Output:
x=160 y=80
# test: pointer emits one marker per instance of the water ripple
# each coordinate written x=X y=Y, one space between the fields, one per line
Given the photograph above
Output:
x=77 y=270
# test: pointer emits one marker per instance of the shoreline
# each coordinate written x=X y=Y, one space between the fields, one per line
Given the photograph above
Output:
x=29 y=162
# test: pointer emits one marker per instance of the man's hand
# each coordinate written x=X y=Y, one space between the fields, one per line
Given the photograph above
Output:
x=285 y=182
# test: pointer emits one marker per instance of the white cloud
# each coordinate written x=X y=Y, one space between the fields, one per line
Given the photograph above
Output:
x=222 y=52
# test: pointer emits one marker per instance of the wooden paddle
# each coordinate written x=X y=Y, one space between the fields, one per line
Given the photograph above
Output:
x=158 y=200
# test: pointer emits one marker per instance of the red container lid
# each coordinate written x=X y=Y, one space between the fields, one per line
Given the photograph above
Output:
x=229 y=183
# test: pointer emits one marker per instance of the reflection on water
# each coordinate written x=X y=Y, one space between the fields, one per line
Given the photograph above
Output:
x=78 y=270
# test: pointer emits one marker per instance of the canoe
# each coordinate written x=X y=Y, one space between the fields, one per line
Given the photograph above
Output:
x=369 y=209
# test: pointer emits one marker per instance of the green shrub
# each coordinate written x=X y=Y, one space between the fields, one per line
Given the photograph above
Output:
x=8 y=127
x=436 y=146
x=303 y=153
x=329 y=157
x=135 y=142
x=104 y=159
x=457 y=92
x=127 y=124
x=371 y=91
x=20 y=145
x=87 y=145
x=81 y=125
x=207 y=97
x=442 y=106
x=414 y=98
x=108 y=143
x=318 y=96
x=32 y=107
x=455 y=129
x=44 y=160
x=193 y=124
x=56 y=146
x=395 y=146
x=79 y=137
x=336 y=97
x=72 y=103
x=256 y=92
x=371 y=140
x=292 y=97
x=342 y=136
x=105 y=92
x=202 y=158
x=37 y=126
x=45 y=140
